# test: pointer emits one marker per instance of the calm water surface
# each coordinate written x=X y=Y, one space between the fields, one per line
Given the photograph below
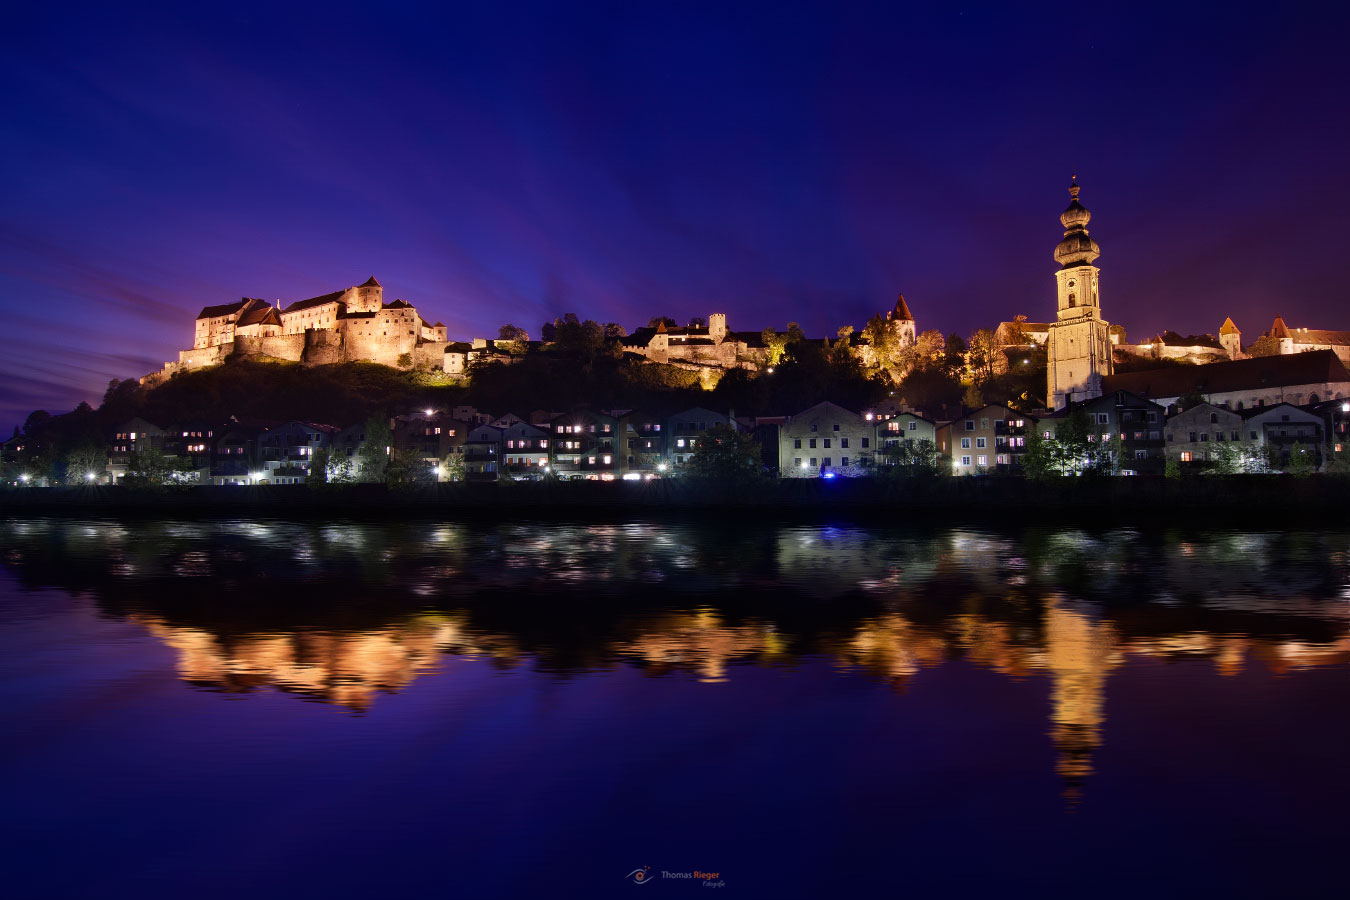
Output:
x=270 y=708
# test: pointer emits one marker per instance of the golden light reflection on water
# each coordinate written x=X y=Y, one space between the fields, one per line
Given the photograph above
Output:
x=1068 y=606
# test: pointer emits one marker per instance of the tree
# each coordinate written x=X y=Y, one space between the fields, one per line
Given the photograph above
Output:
x=375 y=452
x=576 y=338
x=1190 y=399
x=911 y=458
x=1302 y=460
x=549 y=332
x=775 y=344
x=509 y=332
x=972 y=398
x=658 y=321
x=452 y=467
x=698 y=322
x=318 y=467
x=614 y=331
x=724 y=454
x=150 y=468
x=1265 y=345
x=955 y=359
x=1075 y=449
x=84 y=459
x=984 y=353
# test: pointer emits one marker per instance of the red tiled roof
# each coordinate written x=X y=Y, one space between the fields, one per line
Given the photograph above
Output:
x=313 y=301
x=212 y=312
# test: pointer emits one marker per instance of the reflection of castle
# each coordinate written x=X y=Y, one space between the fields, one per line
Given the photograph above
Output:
x=344 y=668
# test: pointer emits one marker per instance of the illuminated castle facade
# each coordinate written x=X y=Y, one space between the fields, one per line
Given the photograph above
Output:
x=350 y=325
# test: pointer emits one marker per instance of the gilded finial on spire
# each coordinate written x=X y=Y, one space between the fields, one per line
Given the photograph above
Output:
x=1073 y=185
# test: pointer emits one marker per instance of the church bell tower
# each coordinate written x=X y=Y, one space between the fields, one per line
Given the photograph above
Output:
x=1079 y=345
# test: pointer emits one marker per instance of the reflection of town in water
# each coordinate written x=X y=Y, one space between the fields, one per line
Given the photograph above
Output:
x=342 y=613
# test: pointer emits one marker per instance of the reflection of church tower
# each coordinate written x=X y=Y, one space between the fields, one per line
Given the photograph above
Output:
x=1079 y=345
x=1080 y=653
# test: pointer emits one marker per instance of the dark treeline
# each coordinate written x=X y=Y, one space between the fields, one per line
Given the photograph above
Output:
x=584 y=366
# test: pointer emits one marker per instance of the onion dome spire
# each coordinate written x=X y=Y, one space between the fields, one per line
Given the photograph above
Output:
x=1076 y=249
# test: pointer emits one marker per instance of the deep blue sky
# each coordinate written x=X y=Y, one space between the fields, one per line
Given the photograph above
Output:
x=511 y=162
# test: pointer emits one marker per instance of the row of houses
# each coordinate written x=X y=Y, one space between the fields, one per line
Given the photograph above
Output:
x=825 y=440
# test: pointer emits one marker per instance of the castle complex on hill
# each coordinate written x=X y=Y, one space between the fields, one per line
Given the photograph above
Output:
x=355 y=325
x=345 y=326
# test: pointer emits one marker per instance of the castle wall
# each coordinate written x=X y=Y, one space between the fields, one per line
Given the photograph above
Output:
x=429 y=356
x=290 y=347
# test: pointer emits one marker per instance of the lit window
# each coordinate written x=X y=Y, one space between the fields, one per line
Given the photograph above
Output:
x=982 y=460
x=1185 y=456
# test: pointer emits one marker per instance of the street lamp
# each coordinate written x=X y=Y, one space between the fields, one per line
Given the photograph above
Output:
x=89 y=476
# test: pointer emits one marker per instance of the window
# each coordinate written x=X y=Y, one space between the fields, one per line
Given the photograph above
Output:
x=843 y=442
x=1103 y=418
x=981 y=443
x=1237 y=435
x=843 y=460
x=970 y=424
x=1002 y=459
x=965 y=460
x=827 y=443
x=797 y=443
x=836 y=428
x=1253 y=435
x=1213 y=418
x=607 y=459
x=982 y=460
x=1185 y=456
x=1153 y=417
x=913 y=426
x=679 y=442
x=984 y=423
x=827 y=462
x=813 y=426
x=1140 y=454
x=1171 y=436
x=865 y=442
x=965 y=443
x=813 y=460
x=797 y=461
x=812 y=443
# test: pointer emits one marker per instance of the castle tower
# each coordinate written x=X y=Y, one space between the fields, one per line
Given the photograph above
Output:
x=1230 y=339
x=368 y=297
x=1079 y=344
x=717 y=327
x=1280 y=332
x=902 y=322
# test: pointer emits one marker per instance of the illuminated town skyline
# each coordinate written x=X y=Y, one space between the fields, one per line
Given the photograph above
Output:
x=799 y=165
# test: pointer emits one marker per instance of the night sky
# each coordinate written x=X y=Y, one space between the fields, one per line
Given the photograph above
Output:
x=505 y=162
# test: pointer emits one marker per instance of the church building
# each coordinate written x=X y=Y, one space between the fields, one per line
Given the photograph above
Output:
x=1079 y=342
